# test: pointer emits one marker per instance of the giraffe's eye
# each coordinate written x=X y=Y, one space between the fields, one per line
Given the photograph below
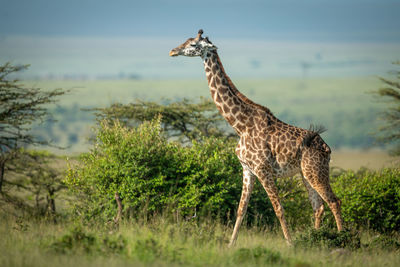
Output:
x=193 y=45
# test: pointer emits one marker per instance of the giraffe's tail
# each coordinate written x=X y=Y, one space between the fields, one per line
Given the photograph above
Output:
x=313 y=132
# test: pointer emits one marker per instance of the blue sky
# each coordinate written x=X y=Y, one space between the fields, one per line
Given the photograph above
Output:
x=256 y=38
x=323 y=20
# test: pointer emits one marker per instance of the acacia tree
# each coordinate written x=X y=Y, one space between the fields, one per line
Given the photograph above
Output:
x=183 y=120
x=20 y=107
x=390 y=132
x=37 y=177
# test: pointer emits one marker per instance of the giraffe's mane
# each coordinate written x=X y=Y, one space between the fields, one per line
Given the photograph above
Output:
x=238 y=93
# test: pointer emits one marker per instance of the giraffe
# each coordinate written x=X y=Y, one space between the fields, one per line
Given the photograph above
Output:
x=268 y=148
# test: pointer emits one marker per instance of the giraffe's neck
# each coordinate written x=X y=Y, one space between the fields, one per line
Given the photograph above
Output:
x=236 y=108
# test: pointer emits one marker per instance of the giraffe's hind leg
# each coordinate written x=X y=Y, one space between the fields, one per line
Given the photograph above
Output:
x=315 y=168
x=316 y=202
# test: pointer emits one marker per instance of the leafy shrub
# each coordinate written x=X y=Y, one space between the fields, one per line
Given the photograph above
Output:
x=329 y=238
x=154 y=176
x=113 y=244
x=384 y=242
x=147 y=250
x=370 y=199
x=258 y=255
x=132 y=162
x=77 y=239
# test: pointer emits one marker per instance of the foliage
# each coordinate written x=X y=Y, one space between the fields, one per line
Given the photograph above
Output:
x=327 y=237
x=390 y=133
x=370 y=199
x=385 y=242
x=79 y=240
x=153 y=175
x=258 y=255
x=76 y=239
x=183 y=119
x=33 y=182
x=20 y=108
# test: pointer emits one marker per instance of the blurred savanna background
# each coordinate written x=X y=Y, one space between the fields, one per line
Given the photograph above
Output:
x=83 y=142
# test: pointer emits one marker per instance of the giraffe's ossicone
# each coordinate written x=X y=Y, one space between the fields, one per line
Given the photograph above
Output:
x=268 y=148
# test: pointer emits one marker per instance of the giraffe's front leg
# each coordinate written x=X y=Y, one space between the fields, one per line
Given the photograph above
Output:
x=248 y=183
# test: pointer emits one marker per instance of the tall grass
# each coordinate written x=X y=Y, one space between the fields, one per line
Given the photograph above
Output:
x=160 y=242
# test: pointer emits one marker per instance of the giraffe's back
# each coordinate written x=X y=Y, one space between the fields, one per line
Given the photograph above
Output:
x=277 y=148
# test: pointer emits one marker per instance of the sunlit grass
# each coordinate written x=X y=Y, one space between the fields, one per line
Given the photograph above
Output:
x=161 y=242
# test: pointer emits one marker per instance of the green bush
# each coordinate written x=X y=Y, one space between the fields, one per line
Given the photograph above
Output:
x=154 y=176
x=148 y=250
x=76 y=239
x=258 y=255
x=384 y=242
x=370 y=199
x=79 y=240
x=328 y=237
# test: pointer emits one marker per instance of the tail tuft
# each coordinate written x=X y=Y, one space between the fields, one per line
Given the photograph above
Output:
x=313 y=132
x=319 y=129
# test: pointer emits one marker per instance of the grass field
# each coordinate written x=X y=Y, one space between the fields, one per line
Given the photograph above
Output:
x=354 y=159
x=162 y=243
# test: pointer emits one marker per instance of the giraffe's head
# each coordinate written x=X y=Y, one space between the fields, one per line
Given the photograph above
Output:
x=193 y=47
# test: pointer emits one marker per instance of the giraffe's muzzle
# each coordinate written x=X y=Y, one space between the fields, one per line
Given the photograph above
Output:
x=173 y=53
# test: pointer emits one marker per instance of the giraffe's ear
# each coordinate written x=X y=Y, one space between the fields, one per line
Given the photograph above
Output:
x=209 y=43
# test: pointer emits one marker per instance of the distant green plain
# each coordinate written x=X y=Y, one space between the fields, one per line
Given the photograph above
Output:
x=345 y=106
